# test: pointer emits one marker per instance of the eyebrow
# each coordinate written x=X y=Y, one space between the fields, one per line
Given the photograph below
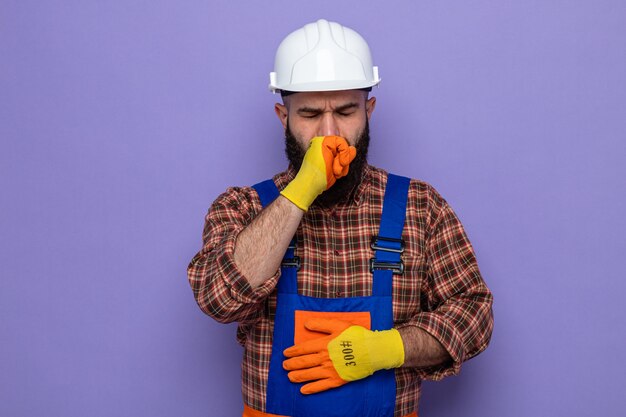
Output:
x=339 y=109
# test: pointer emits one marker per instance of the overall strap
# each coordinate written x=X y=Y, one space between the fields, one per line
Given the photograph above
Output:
x=268 y=192
x=388 y=245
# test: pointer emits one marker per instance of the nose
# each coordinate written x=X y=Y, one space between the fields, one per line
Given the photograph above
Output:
x=328 y=125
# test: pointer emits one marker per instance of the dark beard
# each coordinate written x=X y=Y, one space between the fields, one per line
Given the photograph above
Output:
x=343 y=188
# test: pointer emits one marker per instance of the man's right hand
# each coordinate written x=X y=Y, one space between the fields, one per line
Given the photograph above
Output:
x=327 y=159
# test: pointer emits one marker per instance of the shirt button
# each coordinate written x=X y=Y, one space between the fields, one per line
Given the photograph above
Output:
x=337 y=252
x=338 y=293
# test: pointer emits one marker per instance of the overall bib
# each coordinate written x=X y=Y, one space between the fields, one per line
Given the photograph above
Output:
x=371 y=396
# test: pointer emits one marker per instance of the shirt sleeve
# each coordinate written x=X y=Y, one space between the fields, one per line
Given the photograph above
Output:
x=219 y=287
x=457 y=308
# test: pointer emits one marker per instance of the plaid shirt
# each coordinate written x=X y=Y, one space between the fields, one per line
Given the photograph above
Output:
x=441 y=290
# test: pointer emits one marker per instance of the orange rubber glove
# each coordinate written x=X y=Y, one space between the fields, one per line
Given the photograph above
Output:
x=327 y=159
x=347 y=354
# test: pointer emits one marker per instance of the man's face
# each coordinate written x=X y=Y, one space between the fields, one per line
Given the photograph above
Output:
x=327 y=113
x=345 y=114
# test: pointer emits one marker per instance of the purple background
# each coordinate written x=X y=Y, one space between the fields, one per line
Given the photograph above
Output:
x=121 y=121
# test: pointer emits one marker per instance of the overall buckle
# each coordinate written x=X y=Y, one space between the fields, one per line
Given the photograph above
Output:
x=397 y=268
x=376 y=242
x=291 y=262
x=382 y=243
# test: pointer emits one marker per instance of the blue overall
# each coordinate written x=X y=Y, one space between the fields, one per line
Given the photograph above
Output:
x=372 y=396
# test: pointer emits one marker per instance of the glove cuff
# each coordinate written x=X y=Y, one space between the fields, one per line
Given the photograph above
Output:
x=386 y=349
x=308 y=183
x=298 y=195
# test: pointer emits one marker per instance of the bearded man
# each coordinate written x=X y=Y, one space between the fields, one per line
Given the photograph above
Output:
x=350 y=285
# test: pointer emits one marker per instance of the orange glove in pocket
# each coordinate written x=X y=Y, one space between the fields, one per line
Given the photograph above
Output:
x=347 y=353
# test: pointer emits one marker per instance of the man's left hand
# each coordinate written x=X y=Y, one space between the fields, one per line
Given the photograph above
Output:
x=348 y=353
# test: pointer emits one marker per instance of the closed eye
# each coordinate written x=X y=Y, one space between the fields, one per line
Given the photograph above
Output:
x=309 y=113
x=347 y=109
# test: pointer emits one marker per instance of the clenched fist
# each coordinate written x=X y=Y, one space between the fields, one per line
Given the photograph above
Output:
x=327 y=159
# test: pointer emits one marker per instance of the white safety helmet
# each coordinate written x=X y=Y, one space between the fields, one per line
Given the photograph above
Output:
x=323 y=56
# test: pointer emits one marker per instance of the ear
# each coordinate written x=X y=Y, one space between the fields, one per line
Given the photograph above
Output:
x=282 y=113
x=370 y=105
